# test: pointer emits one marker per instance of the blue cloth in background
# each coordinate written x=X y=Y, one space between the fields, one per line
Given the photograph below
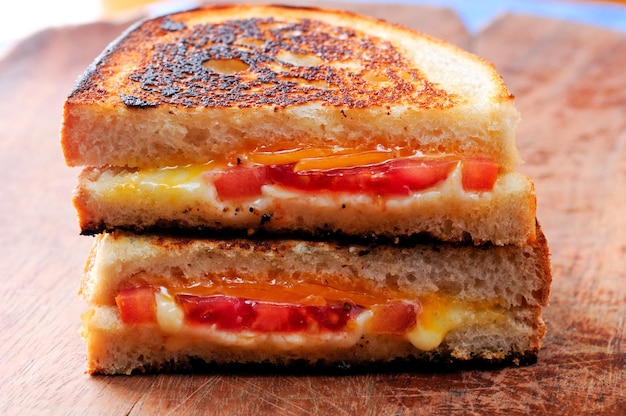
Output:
x=477 y=14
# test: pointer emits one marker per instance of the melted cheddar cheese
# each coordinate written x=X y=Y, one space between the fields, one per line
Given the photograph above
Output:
x=322 y=159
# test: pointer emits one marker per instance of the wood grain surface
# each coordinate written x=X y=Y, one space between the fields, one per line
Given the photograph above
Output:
x=570 y=85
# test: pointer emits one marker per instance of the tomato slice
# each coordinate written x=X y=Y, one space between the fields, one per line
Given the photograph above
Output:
x=238 y=182
x=137 y=305
x=395 y=177
x=394 y=318
x=479 y=174
x=398 y=177
x=236 y=314
x=332 y=317
x=228 y=313
x=272 y=317
x=416 y=175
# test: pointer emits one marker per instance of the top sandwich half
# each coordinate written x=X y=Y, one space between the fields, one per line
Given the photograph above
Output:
x=253 y=112
x=218 y=83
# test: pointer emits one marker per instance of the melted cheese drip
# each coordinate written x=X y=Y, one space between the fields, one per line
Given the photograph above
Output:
x=165 y=185
x=437 y=318
x=170 y=316
x=322 y=159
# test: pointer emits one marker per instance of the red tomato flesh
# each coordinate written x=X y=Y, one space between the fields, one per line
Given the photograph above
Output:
x=228 y=313
x=394 y=318
x=236 y=314
x=238 y=182
x=332 y=317
x=479 y=174
x=396 y=177
x=137 y=305
x=271 y=317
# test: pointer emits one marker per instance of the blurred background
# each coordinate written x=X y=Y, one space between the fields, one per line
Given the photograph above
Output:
x=22 y=18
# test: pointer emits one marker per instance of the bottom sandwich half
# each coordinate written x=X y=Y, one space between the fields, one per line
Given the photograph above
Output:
x=172 y=303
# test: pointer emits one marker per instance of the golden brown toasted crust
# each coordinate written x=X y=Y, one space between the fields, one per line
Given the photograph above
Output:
x=543 y=263
x=172 y=74
x=426 y=362
x=197 y=85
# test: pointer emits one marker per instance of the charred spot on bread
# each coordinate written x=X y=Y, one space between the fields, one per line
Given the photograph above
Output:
x=172 y=26
x=252 y=62
x=424 y=363
x=133 y=101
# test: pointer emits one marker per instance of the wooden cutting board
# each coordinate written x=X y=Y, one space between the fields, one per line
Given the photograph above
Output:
x=571 y=87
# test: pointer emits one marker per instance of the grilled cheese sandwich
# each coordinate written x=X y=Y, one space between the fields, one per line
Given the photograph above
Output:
x=285 y=185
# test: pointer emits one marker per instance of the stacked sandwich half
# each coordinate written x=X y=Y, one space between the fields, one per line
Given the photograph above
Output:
x=283 y=185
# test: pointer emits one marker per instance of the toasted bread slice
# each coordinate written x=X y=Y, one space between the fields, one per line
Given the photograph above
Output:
x=211 y=83
x=465 y=302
